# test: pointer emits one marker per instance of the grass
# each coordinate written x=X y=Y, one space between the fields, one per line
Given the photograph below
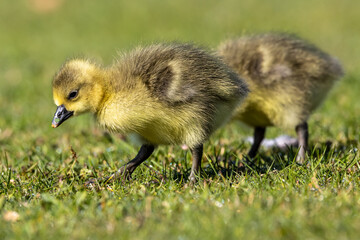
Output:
x=43 y=170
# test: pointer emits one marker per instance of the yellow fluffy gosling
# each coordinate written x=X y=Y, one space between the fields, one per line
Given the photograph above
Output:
x=288 y=78
x=163 y=93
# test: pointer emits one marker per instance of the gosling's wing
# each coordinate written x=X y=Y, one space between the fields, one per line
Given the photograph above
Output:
x=256 y=60
x=183 y=73
x=273 y=58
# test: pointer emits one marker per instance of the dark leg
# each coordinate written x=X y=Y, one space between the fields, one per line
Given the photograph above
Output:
x=126 y=171
x=303 y=136
x=259 y=134
x=197 y=153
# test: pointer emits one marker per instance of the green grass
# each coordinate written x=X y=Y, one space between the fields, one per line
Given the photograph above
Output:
x=42 y=180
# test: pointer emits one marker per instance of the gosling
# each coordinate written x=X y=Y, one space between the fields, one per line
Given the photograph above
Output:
x=288 y=78
x=163 y=93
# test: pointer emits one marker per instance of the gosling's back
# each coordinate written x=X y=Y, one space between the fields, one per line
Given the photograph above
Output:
x=288 y=77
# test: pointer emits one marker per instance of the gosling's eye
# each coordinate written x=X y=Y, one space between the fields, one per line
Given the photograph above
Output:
x=73 y=94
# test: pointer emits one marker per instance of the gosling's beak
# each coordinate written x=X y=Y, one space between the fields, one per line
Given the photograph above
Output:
x=60 y=116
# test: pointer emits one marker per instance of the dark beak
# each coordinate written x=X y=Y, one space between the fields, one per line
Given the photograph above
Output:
x=60 y=116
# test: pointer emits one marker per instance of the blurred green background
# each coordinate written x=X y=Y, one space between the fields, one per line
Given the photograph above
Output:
x=36 y=36
x=42 y=181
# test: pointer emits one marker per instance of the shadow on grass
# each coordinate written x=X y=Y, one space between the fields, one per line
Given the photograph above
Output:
x=229 y=165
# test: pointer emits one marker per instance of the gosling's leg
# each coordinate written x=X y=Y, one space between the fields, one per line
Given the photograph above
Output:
x=197 y=153
x=303 y=136
x=125 y=171
x=259 y=134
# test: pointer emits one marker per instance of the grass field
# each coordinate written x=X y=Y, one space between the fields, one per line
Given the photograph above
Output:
x=43 y=171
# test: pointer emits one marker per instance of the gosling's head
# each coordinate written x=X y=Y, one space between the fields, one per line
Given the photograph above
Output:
x=77 y=88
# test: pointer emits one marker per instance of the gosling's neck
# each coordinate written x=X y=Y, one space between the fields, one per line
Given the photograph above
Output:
x=101 y=88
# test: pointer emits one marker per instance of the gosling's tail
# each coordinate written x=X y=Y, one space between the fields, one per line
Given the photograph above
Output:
x=335 y=69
